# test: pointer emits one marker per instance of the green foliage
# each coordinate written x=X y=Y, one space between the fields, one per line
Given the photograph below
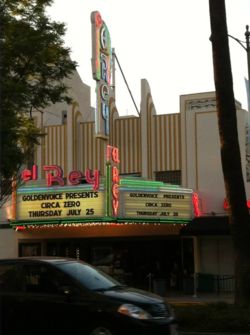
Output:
x=217 y=317
x=33 y=65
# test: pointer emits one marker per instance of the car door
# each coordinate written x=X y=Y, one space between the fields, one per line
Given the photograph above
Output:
x=11 y=291
x=46 y=299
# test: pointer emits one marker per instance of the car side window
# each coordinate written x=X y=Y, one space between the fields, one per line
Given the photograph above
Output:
x=10 y=278
x=41 y=279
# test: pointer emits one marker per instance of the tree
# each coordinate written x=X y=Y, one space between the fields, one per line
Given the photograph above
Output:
x=230 y=151
x=33 y=65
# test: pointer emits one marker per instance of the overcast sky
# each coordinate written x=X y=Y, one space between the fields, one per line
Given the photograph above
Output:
x=163 y=41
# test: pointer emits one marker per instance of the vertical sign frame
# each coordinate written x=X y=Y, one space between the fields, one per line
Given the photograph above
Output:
x=101 y=71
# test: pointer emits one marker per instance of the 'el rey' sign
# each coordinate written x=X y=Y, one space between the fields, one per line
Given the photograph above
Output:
x=54 y=176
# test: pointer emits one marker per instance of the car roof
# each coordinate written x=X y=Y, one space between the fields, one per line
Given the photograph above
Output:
x=43 y=259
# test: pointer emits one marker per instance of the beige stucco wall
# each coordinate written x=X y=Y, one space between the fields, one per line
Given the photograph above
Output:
x=80 y=93
x=78 y=111
x=8 y=237
x=201 y=161
x=8 y=243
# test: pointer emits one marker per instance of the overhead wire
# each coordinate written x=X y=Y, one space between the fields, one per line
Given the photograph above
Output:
x=125 y=80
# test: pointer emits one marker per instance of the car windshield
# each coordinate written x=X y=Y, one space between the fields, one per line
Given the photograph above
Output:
x=90 y=277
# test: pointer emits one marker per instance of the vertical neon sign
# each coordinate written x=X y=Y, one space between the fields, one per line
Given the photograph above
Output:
x=113 y=179
x=196 y=206
x=101 y=71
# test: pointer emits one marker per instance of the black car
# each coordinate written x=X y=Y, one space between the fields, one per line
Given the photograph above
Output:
x=65 y=296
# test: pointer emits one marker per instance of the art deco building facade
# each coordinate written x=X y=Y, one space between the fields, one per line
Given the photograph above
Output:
x=180 y=149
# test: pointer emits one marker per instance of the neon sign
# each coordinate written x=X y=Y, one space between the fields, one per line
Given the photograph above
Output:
x=54 y=176
x=197 y=211
x=112 y=157
x=101 y=65
x=226 y=204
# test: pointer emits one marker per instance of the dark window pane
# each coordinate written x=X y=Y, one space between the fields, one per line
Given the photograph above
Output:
x=29 y=249
x=88 y=276
x=10 y=278
x=169 y=177
x=42 y=279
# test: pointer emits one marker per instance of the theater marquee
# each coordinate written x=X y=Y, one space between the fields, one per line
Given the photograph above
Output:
x=60 y=204
x=84 y=197
x=159 y=205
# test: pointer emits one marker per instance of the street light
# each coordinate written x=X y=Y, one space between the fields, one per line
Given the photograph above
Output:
x=246 y=47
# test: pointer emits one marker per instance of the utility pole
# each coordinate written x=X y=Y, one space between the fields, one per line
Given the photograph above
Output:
x=247 y=49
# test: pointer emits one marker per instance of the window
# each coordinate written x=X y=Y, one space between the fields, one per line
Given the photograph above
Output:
x=42 y=279
x=169 y=177
x=10 y=278
x=89 y=277
x=29 y=249
x=64 y=117
x=102 y=256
